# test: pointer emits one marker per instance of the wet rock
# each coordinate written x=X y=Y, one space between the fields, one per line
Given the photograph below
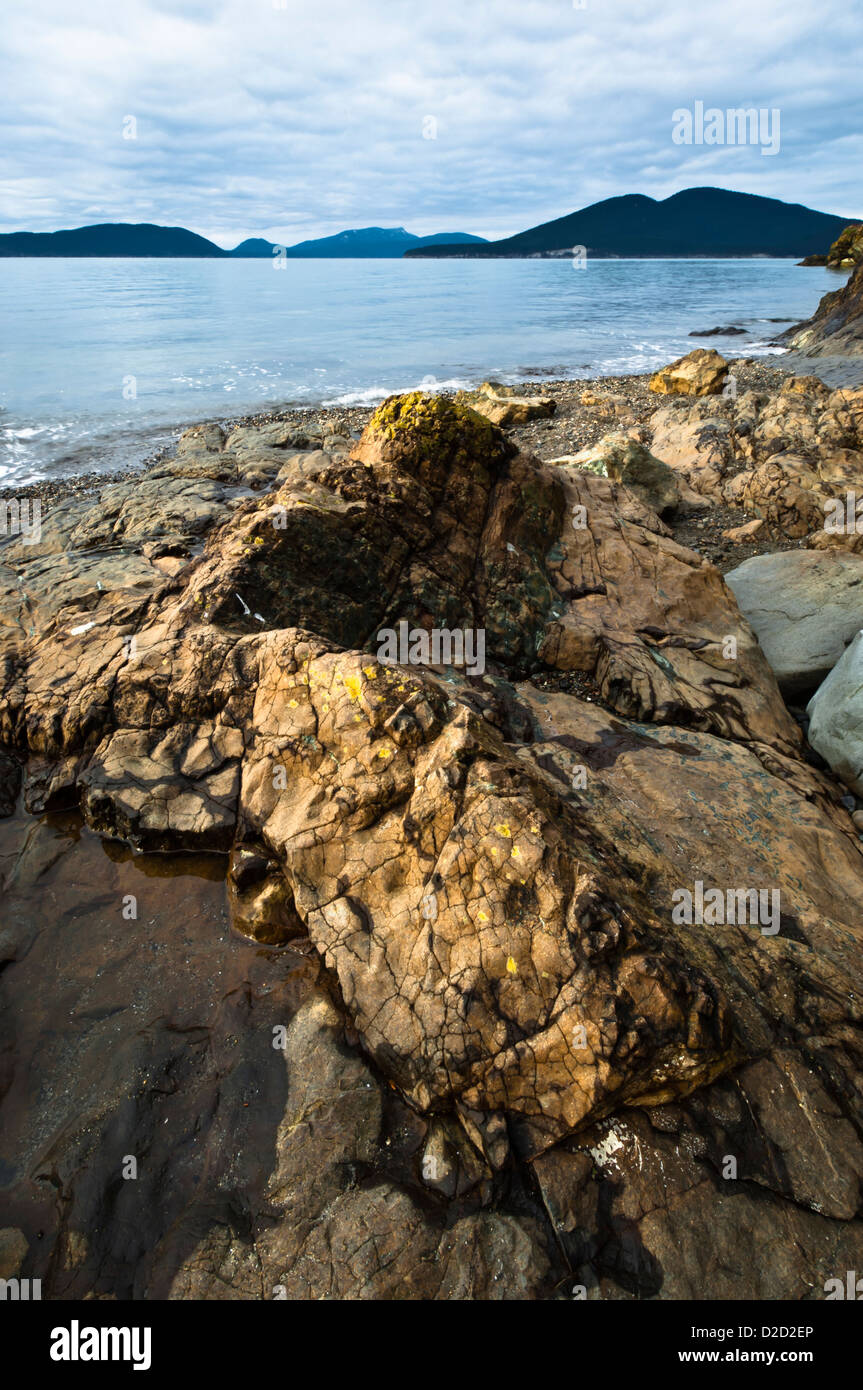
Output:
x=260 y=901
x=728 y=332
x=13 y=1248
x=10 y=783
x=338 y=1237
x=651 y=1206
x=836 y=328
x=482 y=867
x=171 y=790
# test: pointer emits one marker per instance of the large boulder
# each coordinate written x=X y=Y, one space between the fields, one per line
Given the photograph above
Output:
x=702 y=372
x=804 y=607
x=836 y=717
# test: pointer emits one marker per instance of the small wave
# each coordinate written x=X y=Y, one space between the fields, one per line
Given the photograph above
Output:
x=373 y=395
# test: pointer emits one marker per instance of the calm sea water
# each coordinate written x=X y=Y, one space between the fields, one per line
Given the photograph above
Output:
x=101 y=360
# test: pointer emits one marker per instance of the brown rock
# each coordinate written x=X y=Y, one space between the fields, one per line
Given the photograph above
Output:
x=505 y=406
x=487 y=867
x=701 y=372
x=835 y=328
x=739 y=535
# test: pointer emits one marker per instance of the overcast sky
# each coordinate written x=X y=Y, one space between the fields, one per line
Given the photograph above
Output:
x=301 y=121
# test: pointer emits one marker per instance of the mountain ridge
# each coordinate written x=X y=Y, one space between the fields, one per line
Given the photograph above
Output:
x=694 y=222
x=363 y=242
x=148 y=239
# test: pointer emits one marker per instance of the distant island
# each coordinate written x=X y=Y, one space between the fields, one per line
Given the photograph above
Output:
x=372 y=242
x=146 y=239
x=697 y=222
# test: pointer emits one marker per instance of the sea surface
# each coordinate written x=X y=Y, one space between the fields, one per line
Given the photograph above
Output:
x=102 y=361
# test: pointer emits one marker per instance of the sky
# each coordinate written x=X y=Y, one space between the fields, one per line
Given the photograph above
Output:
x=293 y=120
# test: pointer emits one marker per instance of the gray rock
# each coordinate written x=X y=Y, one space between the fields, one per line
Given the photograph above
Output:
x=202 y=439
x=804 y=607
x=836 y=717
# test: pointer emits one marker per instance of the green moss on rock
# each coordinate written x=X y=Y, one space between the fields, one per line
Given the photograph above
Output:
x=427 y=435
x=847 y=249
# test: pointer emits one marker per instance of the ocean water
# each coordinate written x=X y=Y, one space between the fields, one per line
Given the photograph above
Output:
x=101 y=361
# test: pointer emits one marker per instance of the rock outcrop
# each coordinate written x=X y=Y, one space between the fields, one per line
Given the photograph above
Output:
x=494 y=870
x=847 y=249
x=791 y=459
x=845 y=253
x=836 y=327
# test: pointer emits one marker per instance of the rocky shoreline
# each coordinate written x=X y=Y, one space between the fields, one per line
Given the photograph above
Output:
x=573 y=426
x=538 y=979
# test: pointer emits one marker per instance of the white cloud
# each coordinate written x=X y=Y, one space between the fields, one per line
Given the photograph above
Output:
x=302 y=121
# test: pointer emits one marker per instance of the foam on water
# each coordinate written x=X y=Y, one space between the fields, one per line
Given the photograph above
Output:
x=101 y=361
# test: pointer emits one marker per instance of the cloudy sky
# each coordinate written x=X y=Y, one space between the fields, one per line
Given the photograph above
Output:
x=254 y=117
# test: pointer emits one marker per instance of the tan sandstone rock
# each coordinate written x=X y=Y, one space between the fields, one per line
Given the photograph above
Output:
x=701 y=372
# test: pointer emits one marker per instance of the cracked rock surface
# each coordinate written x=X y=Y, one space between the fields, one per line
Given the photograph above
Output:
x=506 y=1065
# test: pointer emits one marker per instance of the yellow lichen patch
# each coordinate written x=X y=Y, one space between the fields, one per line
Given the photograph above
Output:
x=385 y=752
x=354 y=686
x=482 y=917
x=292 y=704
x=503 y=829
x=511 y=966
x=371 y=672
